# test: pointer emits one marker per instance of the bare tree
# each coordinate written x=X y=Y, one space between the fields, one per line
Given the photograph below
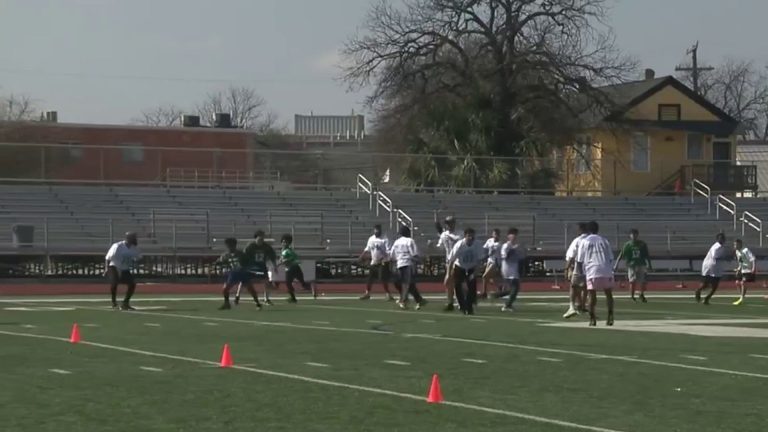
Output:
x=165 y=115
x=515 y=69
x=247 y=107
x=17 y=108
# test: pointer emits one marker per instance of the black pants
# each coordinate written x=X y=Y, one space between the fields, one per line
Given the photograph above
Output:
x=379 y=272
x=406 y=283
x=294 y=273
x=466 y=298
x=116 y=278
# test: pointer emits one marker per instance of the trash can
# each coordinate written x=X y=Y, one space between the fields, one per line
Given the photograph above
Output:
x=23 y=235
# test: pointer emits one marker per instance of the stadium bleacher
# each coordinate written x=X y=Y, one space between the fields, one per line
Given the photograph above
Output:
x=87 y=218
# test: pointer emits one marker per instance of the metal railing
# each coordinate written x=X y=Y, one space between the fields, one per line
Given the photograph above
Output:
x=727 y=206
x=402 y=218
x=365 y=185
x=383 y=201
x=752 y=221
x=225 y=177
x=699 y=188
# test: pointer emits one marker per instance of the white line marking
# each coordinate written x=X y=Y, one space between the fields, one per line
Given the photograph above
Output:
x=693 y=357
x=477 y=320
x=470 y=341
x=474 y=361
x=428 y=321
x=397 y=362
x=212 y=324
x=549 y=359
x=374 y=322
x=150 y=369
x=90 y=325
x=29 y=326
x=316 y=364
x=759 y=356
x=592 y=355
x=419 y=398
x=321 y=322
x=425 y=313
x=60 y=371
x=152 y=324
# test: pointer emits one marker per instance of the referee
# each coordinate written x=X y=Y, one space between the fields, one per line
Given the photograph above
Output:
x=119 y=260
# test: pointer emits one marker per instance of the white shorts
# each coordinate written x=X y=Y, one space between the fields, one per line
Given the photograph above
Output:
x=604 y=283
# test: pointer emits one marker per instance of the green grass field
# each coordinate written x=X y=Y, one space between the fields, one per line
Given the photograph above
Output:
x=345 y=365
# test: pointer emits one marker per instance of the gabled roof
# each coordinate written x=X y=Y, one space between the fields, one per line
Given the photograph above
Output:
x=623 y=97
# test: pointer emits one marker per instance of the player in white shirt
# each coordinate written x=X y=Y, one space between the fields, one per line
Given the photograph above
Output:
x=578 y=283
x=712 y=268
x=448 y=238
x=746 y=272
x=512 y=256
x=405 y=254
x=377 y=249
x=120 y=258
x=466 y=261
x=493 y=266
x=595 y=260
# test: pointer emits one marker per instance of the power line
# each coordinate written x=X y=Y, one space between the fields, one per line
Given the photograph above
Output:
x=695 y=69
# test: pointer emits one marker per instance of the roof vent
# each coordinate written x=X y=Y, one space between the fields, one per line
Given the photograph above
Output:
x=190 y=120
x=650 y=74
x=222 y=120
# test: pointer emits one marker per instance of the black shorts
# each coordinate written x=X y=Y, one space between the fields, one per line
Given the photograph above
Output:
x=405 y=276
x=745 y=277
x=711 y=281
x=258 y=275
x=380 y=272
x=293 y=273
x=117 y=277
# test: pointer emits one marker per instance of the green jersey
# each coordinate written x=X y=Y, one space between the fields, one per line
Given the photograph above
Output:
x=257 y=256
x=635 y=253
x=232 y=260
x=289 y=257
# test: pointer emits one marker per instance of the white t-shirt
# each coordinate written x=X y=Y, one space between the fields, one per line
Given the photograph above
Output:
x=121 y=256
x=448 y=241
x=403 y=251
x=467 y=256
x=492 y=249
x=712 y=265
x=746 y=260
x=511 y=255
x=573 y=249
x=378 y=247
x=596 y=257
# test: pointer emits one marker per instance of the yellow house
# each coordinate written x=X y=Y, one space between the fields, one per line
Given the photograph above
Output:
x=656 y=137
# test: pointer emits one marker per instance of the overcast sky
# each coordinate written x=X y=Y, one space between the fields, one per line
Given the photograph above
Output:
x=103 y=61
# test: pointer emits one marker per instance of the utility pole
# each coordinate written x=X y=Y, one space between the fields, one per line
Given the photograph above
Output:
x=694 y=69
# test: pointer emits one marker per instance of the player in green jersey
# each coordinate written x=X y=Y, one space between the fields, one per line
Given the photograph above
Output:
x=290 y=260
x=233 y=260
x=258 y=254
x=635 y=253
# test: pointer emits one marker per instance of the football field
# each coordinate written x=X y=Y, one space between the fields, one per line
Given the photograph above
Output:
x=340 y=364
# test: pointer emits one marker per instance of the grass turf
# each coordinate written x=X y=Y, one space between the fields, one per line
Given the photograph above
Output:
x=598 y=378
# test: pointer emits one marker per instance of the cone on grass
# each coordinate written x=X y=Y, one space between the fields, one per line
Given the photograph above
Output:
x=226 y=357
x=75 y=336
x=435 y=394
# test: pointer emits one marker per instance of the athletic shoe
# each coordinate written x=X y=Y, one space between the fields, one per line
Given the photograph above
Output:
x=634 y=299
x=571 y=313
x=225 y=306
x=127 y=307
x=390 y=298
x=421 y=304
x=268 y=302
x=706 y=301
x=643 y=299
x=507 y=309
x=365 y=297
x=593 y=321
x=237 y=300
x=738 y=302
x=115 y=306
x=697 y=296
x=402 y=305
x=449 y=307
x=609 y=322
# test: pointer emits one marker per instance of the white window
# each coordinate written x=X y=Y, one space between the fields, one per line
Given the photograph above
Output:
x=641 y=152
x=133 y=152
x=695 y=147
x=583 y=154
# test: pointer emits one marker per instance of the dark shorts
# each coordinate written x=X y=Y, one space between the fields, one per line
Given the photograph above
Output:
x=117 y=277
x=745 y=277
x=380 y=272
x=405 y=276
x=258 y=275
x=294 y=273
x=235 y=277
x=711 y=281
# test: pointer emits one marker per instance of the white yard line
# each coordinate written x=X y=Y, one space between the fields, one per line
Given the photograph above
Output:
x=152 y=324
x=380 y=391
x=60 y=371
x=90 y=325
x=423 y=313
x=210 y=324
x=317 y=364
x=693 y=357
x=150 y=369
x=427 y=321
x=549 y=359
x=760 y=356
x=321 y=322
x=478 y=361
x=374 y=322
x=397 y=362
x=29 y=326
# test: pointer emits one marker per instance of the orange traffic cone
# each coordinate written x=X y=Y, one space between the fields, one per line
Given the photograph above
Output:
x=226 y=357
x=435 y=394
x=75 y=336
